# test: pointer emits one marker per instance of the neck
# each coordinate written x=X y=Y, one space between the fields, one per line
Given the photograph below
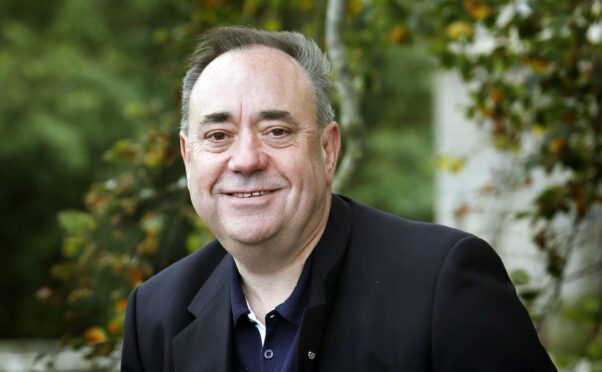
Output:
x=265 y=292
x=268 y=282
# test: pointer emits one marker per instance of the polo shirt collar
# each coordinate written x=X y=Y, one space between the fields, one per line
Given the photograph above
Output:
x=291 y=309
x=237 y=298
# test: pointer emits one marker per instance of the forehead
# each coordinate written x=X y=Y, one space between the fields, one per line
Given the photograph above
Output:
x=256 y=76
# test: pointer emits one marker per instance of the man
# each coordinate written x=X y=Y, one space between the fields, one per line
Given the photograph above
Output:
x=300 y=279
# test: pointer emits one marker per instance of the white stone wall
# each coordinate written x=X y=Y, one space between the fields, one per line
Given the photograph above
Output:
x=491 y=216
x=487 y=216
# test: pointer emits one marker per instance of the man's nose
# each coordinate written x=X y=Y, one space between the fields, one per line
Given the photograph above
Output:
x=248 y=155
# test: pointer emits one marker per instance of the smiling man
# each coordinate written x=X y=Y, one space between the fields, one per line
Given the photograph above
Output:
x=300 y=279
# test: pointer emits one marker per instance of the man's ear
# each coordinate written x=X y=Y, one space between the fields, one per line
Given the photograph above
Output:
x=185 y=151
x=331 y=146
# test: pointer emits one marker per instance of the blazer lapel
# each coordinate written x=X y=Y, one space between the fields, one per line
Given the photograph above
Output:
x=326 y=266
x=205 y=344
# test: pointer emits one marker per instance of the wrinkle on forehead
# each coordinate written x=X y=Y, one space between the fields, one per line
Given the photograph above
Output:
x=262 y=69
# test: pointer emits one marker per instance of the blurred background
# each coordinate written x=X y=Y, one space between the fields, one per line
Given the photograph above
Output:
x=484 y=115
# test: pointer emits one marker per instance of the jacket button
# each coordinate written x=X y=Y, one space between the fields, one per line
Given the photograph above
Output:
x=311 y=355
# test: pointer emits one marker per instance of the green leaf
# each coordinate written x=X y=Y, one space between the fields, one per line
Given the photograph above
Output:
x=153 y=222
x=552 y=200
x=72 y=246
x=523 y=214
x=529 y=294
x=76 y=222
x=62 y=271
x=520 y=277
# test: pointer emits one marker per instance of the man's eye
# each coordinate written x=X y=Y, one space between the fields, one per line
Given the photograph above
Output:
x=217 y=136
x=278 y=132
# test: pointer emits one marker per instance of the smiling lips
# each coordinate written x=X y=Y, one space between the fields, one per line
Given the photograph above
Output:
x=249 y=194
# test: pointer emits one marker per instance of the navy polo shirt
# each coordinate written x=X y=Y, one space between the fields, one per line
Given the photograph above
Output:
x=282 y=325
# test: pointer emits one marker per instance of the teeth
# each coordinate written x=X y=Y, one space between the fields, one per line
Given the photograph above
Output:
x=249 y=194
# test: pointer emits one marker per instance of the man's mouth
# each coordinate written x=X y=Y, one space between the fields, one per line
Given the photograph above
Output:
x=249 y=194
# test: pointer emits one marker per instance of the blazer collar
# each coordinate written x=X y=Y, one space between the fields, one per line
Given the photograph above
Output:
x=329 y=252
x=205 y=344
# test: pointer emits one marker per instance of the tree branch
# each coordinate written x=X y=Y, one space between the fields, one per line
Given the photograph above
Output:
x=350 y=116
x=553 y=300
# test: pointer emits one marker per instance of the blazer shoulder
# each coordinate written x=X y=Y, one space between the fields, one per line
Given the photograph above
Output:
x=388 y=230
x=184 y=277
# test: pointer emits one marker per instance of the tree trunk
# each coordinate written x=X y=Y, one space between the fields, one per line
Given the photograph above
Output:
x=350 y=116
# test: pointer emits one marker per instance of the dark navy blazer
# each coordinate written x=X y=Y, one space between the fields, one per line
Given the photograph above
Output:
x=387 y=294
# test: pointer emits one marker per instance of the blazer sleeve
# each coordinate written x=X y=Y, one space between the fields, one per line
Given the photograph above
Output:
x=130 y=355
x=479 y=324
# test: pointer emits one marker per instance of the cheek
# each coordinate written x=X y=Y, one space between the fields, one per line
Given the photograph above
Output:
x=309 y=174
x=201 y=175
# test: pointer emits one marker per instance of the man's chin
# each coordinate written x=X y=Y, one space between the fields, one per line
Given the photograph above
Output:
x=249 y=235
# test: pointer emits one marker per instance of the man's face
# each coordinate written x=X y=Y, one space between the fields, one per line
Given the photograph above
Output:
x=259 y=169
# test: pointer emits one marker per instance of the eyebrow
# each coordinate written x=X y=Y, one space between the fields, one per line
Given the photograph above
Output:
x=222 y=117
x=216 y=117
x=281 y=115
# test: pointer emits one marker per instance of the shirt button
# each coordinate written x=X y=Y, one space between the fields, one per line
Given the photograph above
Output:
x=311 y=355
x=268 y=354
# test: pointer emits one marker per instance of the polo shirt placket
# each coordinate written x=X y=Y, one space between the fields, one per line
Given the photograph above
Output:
x=276 y=349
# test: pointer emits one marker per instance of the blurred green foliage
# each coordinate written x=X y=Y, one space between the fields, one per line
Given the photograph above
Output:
x=90 y=121
x=66 y=69
x=396 y=173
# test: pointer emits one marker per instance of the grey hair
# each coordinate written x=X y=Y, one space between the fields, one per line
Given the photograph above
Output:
x=224 y=39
